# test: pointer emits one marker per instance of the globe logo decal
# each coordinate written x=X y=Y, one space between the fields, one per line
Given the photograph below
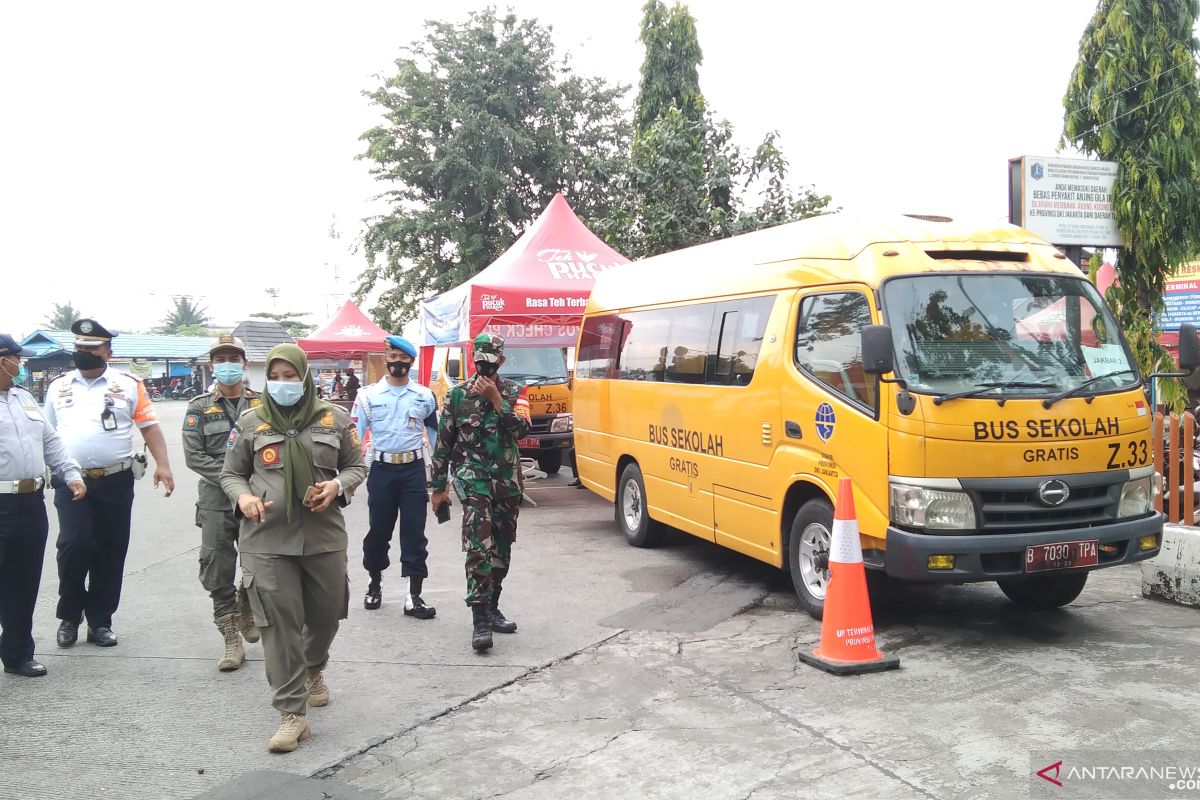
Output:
x=826 y=419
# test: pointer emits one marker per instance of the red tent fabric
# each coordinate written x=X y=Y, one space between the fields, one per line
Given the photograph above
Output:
x=349 y=334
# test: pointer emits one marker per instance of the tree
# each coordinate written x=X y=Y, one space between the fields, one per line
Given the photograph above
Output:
x=63 y=317
x=671 y=68
x=1133 y=99
x=482 y=125
x=289 y=322
x=185 y=313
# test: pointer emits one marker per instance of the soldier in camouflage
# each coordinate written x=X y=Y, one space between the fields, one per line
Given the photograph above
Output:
x=482 y=420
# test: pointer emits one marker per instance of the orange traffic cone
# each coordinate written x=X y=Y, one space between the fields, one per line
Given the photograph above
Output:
x=847 y=633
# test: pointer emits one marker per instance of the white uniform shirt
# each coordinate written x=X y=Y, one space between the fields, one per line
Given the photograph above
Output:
x=75 y=407
x=27 y=441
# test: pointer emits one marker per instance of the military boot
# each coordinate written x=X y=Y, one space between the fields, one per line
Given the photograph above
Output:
x=414 y=606
x=500 y=624
x=318 y=690
x=481 y=636
x=245 y=616
x=374 y=596
x=292 y=731
x=235 y=654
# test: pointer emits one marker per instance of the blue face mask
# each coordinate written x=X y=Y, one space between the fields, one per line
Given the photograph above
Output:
x=286 y=393
x=228 y=374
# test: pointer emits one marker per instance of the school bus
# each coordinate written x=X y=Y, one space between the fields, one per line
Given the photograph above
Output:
x=968 y=380
x=543 y=370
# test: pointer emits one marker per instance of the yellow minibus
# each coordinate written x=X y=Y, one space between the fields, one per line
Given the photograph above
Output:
x=968 y=380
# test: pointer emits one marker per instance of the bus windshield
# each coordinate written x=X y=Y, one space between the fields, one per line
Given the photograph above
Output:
x=1004 y=334
x=535 y=364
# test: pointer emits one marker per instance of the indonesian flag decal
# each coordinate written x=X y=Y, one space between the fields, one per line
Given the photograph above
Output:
x=522 y=404
x=1140 y=407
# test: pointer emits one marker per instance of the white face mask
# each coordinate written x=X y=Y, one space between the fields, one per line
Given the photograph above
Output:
x=286 y=393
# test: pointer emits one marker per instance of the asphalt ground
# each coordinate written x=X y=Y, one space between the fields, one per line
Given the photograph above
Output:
x=664 y=673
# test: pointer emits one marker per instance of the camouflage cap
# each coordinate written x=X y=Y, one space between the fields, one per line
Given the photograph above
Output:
x=488 y=347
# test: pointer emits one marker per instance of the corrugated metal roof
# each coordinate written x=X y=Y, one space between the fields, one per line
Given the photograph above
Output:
x=156 y=347
x=260 y=335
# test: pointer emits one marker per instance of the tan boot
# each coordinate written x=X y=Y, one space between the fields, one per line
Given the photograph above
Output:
x=318 y=691
x=235 y=654
x=292 y=731
x=245 y=616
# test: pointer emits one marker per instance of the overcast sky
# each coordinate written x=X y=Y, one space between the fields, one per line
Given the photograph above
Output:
x=154 y=149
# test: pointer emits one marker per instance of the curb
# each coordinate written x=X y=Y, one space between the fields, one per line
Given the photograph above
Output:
x=1174 y=574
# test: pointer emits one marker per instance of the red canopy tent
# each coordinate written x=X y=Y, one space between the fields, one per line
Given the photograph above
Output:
x=350 y=334
x=533 y=295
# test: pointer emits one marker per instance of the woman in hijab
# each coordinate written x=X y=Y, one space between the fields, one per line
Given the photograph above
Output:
x=291 y=464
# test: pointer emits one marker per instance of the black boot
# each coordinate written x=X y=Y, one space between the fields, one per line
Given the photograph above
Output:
x=374 y=597
x=481 y=636
x=414 y=606
x=499 y=623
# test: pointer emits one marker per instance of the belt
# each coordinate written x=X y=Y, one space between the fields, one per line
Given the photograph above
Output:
x=23 y=486
x=111 y=469
x=398 y=458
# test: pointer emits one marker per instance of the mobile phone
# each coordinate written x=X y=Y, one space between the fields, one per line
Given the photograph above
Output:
x=443 y=512
x=310 y=496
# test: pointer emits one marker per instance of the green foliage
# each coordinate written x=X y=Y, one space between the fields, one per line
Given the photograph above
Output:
x=671 y=69
x=1133 y=99
x=288 y=320
x=482 y=125
x=62 y=317
x=184 y=314
x=193 y=330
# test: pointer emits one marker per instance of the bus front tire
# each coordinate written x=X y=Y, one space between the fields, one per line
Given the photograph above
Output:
x=808 y=553
x=1044 y=592
x=550 y=462
x=632 y=515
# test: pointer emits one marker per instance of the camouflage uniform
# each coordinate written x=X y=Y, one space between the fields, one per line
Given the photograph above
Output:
x=479 y=445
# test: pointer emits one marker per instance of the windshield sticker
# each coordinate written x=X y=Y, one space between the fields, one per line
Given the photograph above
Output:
x=1104 y=358
x=1048 y=429
x=826 y=421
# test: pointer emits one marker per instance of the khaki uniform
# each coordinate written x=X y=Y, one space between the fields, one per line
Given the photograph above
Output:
x=294 y=572
x=206 y=425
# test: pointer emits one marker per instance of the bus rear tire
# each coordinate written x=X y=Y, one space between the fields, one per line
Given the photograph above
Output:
x=633 y=516
x=1044 y=592
x=808 y=548
x=550 y=462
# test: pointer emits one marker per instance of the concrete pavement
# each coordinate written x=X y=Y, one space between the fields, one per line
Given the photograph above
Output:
x=636 y=673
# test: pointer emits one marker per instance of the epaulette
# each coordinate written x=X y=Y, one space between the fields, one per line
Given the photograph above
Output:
x=248 y=411
x=129 y=374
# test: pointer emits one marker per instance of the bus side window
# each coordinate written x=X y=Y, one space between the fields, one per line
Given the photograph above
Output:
x=600 y=345
x=739 y=326
x=828 y=343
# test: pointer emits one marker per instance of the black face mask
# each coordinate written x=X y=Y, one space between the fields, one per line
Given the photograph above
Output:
x=88 y=361
x=486 y=369
x=398 y=368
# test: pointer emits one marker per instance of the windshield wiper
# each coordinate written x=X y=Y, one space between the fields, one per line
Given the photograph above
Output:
x=981 y=388
x=542 y=380
x=1076 y=389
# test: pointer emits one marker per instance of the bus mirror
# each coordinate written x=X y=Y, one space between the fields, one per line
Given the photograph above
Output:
x=877 y=351
x=1189 y=347
x=454 y=369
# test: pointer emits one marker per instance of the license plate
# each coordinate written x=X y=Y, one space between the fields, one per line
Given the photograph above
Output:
x=529 y=444
x=1062 y=555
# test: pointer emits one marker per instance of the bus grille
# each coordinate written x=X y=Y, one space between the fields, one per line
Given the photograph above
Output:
x=539 y=423
x=1012 y=505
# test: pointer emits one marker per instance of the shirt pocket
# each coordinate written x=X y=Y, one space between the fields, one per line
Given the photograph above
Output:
x=326 y=450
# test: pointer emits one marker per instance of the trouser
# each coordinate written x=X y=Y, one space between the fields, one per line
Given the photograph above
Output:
x=23 y=531
x=218 y=558
x=489 y=530
x=571 y=462
x=297 y=602
x=392 y=489
x=93 y=538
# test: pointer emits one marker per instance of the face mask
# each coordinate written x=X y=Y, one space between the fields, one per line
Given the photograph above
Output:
x=286 y=393
x=486 y=369
x=88 y=361
x=20 y=375
x=227 y=373
x=398 y=368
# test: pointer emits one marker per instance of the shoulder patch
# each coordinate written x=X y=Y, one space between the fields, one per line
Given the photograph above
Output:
x=521 y=406
x=191 y=422
x=233 y=437
x=354 y=440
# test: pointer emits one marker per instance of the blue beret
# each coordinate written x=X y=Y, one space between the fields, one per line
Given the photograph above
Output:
x=402 y=344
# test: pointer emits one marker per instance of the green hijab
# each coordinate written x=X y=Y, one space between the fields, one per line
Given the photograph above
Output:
x=298 y=472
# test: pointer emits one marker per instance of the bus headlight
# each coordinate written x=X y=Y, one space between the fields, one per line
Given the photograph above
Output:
x=562 y=423
x=1136 y=498
x=918 y=507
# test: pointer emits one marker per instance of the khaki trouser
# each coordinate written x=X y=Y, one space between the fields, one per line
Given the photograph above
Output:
x=297 y=602
x=218 y=558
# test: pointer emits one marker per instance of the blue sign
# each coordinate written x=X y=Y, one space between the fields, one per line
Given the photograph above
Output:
x=1037 y=171
x=826 y=420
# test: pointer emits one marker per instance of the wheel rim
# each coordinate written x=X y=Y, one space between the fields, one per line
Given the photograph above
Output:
x=631 y=506
x=814 y=548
